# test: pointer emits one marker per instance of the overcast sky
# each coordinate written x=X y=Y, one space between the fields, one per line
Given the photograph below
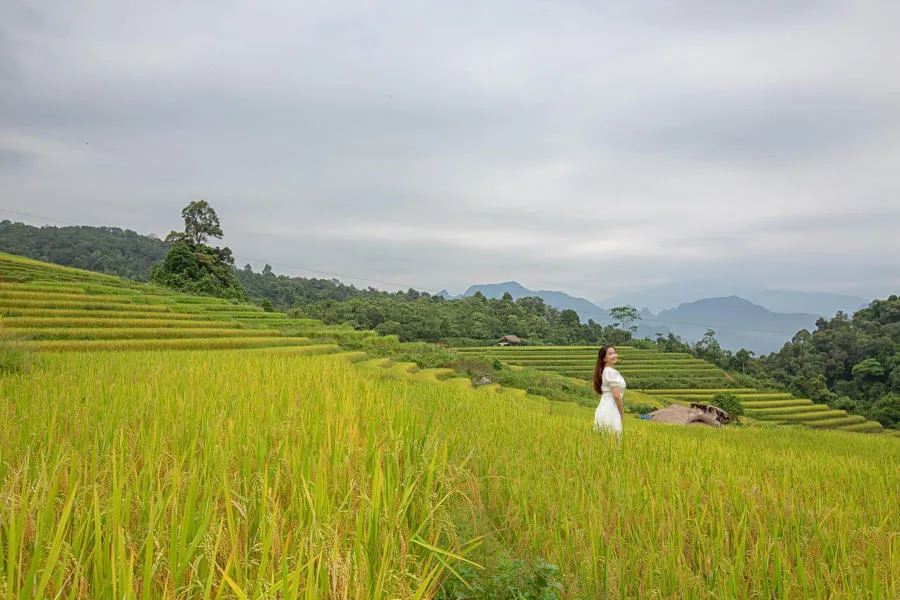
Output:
x=586 y=146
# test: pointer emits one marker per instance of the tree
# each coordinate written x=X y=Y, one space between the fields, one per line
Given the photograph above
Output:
x=624 y=317
x=708 y=348
x=569 y=319
x=728 y=402
x=193 y=267
x=887 y=410
x=200 y=223
x=868 y=369
x=743 y=356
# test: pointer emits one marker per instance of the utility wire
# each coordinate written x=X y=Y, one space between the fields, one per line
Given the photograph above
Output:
x=718 y=329
x=243 y=258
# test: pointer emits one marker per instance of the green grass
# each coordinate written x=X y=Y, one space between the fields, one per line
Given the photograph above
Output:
x=51 y=313
x=159 y=344
x=86 y=304
x=838 y=421
x=673 y=392
x=266 y=474
x=126 y=333
x=865 y=427
x=153 y=320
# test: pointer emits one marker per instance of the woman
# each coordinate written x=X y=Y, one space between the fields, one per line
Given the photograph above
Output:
x=611 y=387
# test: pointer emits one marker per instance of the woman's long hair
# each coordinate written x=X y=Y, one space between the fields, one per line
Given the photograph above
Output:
x=598 y=370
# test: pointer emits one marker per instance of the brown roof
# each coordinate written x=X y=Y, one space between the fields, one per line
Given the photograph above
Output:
x=682 y=415
x=511 y=338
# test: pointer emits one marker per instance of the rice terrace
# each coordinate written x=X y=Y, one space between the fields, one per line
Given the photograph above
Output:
x=155 y=444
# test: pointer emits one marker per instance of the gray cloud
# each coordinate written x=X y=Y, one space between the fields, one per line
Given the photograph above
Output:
x=776 y=130
x=592 y=147
x=13 y=160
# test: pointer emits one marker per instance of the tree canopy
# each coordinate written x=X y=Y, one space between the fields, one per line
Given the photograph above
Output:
x=193 y=267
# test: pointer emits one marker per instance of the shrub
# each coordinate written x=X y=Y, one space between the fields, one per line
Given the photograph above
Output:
x=514 y=579
x=844 y=403
x=887 y=410
x=472 y=365
x=728 y=402
x=640 y=409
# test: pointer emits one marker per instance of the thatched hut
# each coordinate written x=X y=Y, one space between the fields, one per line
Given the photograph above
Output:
x=682 y=415
x=509 y=340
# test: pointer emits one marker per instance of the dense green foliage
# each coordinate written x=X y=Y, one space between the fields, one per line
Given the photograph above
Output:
x=193 y=267
x=847 y=362
x=476 y=319
x=285 y=292
x=511 y=579
x=107 y=250
x=728 y=402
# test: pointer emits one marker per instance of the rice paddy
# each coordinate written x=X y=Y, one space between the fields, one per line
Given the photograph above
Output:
x=681 y=379
x=267 y=474
x=48 y=308
x=145 y=466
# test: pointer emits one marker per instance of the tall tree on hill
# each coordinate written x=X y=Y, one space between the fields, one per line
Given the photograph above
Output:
x=192 y=266
x=625 y=317
x=200 y=223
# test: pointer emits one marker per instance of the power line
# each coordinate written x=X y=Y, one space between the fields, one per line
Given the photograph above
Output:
x=338 y=275
x=248 y=258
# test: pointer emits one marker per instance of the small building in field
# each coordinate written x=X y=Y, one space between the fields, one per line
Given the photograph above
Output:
x=509 y=340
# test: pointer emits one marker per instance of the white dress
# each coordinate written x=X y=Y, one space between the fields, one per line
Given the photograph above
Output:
x=607 y=416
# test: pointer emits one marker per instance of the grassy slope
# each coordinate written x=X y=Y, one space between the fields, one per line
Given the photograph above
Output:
x=46 y=307
x=682 y=379
x=267 y=473
x=319 y=478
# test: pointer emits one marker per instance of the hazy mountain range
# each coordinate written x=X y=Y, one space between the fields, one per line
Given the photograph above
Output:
x=737 y=321
x=659 y=298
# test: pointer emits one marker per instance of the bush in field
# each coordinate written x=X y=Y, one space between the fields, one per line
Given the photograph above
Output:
x=640 y=409
x=728 y=402
x=512 y=579
x=844 y=403
x=473 y=365
x=426 y=356
x=548 y=385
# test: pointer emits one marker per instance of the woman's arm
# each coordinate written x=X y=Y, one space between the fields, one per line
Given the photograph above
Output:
x=617 y=396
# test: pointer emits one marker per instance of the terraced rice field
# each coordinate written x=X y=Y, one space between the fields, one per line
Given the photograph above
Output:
x=259 y=474
x=681 y=379
x=296 y=472
x=48 y=308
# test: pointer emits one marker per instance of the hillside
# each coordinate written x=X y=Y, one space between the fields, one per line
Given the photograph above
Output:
x=107 y=250
x=299 y=471
x=679 y=378
x=738 y=323
x=51 y=308
x=585 y=309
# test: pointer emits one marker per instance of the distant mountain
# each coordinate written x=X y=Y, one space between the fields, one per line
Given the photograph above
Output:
x=666 y=296
x=791 y=301
x=738 y=323
x=586 y=310
x=446 y=295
